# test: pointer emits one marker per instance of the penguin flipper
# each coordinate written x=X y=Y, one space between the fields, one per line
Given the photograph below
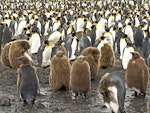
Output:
x=39 y=54
x=96 y=43
x=121 y=97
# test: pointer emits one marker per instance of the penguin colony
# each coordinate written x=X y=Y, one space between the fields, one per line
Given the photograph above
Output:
x=76 y=40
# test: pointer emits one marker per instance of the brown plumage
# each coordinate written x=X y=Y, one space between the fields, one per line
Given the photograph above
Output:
x=137 y=75
x=107 y=58
x=93 y=56
x=59 y=71
x=17 y=49
x=4 y=55
x=27 y=80
x=80 y=79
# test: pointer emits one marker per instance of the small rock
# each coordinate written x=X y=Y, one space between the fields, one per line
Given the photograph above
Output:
x=4 y=101
x=39 y=105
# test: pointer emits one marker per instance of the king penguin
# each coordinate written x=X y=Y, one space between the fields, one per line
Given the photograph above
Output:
x=7 y=34
x=35 y=42
x=44 y=54
x=128 y=30
x=123 y=43
x=27 y=80
x=80 y=79
x=59 y=71
x=113 y=90
x=84 y=42
x=137 y=74
x=126 y=56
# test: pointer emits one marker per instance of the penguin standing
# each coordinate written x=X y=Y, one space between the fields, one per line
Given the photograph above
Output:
x=73 y=48
x=113 y=90
x=27 y=80
x=56 y=24
x=146 y=46
x=7 y=34
x=138 y=38
x=128 y=30
x=123 y=43
x=55 y=36
x=44 y=54
x=59 y=71
x=108 y=37
x=137 y=74
x=80 y=79
x=107 y=58
x=4 y=55
x=93 y=56
x=126 y=56
x=46 y=27
x=18 y=48
x=35 y=42
x=84 y=42
x=59 y=46
x=21 y=26
x=13 y=26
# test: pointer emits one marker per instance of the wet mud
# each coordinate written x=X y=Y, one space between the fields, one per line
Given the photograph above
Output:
x=50 y=101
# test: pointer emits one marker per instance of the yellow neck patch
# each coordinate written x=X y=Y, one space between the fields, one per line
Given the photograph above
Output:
x=122 y=39
x=48 y=46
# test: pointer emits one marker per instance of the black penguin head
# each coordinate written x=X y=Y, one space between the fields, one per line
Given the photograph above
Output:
x=46 y=42
x=135 y=55
x=106 y=29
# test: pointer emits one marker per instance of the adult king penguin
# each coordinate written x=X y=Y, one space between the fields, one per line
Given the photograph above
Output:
x=113 y=90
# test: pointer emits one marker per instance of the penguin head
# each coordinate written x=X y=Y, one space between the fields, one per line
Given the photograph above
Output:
x=81 y=58
x=60 y=53
x=96 y=54
x=135 y=55
x=23 y=60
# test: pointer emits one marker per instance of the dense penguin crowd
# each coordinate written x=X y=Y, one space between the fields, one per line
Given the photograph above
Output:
x=75 y=39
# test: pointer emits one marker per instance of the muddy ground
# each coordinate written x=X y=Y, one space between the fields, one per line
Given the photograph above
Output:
x=50 y=101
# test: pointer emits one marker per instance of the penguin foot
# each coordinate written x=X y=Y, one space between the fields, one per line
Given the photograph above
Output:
x=33 y=102
x=104 y=67
x=135 y=94
x=142 y=94
x=74 y=96
x=85 y=96
x=104 y=106
x=25 y=102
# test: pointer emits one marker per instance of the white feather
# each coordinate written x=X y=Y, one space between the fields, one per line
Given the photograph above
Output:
x=127 y=56
x=114 y=104
x=55 y=36
x=46 y=56
x=123 y=44
x=35 y=43
x=129 y=32
x=73 y=47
